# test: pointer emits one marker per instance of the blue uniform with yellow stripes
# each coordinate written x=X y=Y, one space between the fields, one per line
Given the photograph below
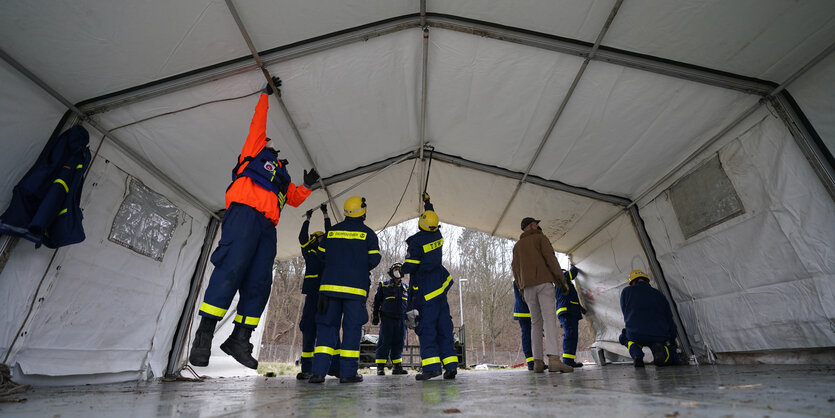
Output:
x=390 y=303
x=45 y=204
x=350 y=251
x=569 y=313
x=310 y=288
x=649 y=320
x=522 y=314
x=429 y=284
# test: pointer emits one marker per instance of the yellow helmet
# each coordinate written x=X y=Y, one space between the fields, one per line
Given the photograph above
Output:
x=428 y=221
x=355 y=207
x=637 y=274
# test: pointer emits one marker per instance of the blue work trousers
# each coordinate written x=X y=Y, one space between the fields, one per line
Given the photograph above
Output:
x=437 y=341
x=525 y=325
x=351 y=314
x=570 y=325
x=391 y=339
x=243 y=263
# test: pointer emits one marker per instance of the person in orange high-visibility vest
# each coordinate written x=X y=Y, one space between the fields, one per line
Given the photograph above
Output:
x=244 y=256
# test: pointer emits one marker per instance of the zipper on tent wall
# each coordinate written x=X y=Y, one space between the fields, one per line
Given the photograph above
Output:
x=175 y=362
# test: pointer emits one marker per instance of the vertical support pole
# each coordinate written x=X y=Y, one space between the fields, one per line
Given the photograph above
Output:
x=174 y=358
x=658 y=275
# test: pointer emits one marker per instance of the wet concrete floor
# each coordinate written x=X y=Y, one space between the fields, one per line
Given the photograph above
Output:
x=615 y=390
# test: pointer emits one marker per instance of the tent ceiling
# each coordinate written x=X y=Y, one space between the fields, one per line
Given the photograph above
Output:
x=489 y=101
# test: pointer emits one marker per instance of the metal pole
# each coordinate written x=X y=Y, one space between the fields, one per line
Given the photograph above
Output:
x=277 y=95
x=399 y=160
x=106 y=133
x=560 y=110
x=461 y=299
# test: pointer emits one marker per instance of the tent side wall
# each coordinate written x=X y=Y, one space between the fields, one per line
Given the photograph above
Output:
x=761 y=279
x=815 y=94
x=101 y=311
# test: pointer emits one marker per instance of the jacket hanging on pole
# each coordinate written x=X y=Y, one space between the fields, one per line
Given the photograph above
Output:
x=45 y=203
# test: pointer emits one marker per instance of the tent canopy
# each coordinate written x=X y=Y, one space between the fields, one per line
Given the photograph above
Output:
x=359 y=100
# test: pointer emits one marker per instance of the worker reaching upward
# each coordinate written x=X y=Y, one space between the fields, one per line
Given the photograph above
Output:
x=428 y=309
x=350 y=251
x=243 y=259
x=310 y=288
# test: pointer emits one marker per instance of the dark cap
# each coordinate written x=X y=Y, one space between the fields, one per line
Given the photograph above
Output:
x=527 y=221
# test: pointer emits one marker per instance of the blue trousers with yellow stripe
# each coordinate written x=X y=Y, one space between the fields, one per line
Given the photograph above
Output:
x=525 y=325
x=307 y=325
x=669 y=356
x=437 y=343
x=391 y=340
x=351 y=314
x=243 y=263
x=570 y=334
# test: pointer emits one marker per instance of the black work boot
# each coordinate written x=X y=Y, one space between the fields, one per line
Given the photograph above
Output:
x=201 y=348
x=639 y=362
x=450 y=374
x=238 y=346
x=316 y=379
x=660 y=354
x=354 y=379
x=398 y=369
x=303 y=375
x=381 y=370
x=427 y=375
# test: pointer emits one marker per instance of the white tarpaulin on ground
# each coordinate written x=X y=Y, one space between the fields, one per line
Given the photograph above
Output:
x=509 y=96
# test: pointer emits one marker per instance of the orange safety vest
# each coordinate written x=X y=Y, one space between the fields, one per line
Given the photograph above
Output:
x=244 y=190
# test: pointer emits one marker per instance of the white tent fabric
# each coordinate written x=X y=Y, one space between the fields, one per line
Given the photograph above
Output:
x=775 y=291
x=815 y=93
x=100 y=308
x=175 y=86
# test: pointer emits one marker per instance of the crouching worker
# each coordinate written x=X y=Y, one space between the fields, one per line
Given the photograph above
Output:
x=569 y=313
x=350 y=251
x=428 y=309
x=390 y=307
x=244 y=256
x=310 y=288
x=649 y=322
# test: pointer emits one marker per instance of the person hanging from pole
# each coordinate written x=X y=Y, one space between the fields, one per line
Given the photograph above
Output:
x=244 y=257
x=350 y=251
x=428 y=309
x=390 y=306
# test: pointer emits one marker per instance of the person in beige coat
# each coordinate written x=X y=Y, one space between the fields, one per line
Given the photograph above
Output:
x=536 y=272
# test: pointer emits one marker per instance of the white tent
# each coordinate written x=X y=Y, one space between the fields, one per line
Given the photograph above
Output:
x=691 y=139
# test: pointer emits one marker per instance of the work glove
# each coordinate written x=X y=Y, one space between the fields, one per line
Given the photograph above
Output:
x=412 y=319
x=322 y=304
x=308 y=214
x=310 y=177
x=425 y=197
x=375 y=320
x=269 y=90
x=324 y=208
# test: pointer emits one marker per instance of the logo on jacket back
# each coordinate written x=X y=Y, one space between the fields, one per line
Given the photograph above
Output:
x=269 y=166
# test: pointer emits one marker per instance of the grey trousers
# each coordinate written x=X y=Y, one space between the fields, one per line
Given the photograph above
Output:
x=542 y=302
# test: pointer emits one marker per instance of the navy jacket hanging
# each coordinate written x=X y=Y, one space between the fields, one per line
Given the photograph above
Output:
x=45 y=203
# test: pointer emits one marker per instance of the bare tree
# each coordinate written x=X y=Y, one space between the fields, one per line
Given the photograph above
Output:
x=484 y=260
